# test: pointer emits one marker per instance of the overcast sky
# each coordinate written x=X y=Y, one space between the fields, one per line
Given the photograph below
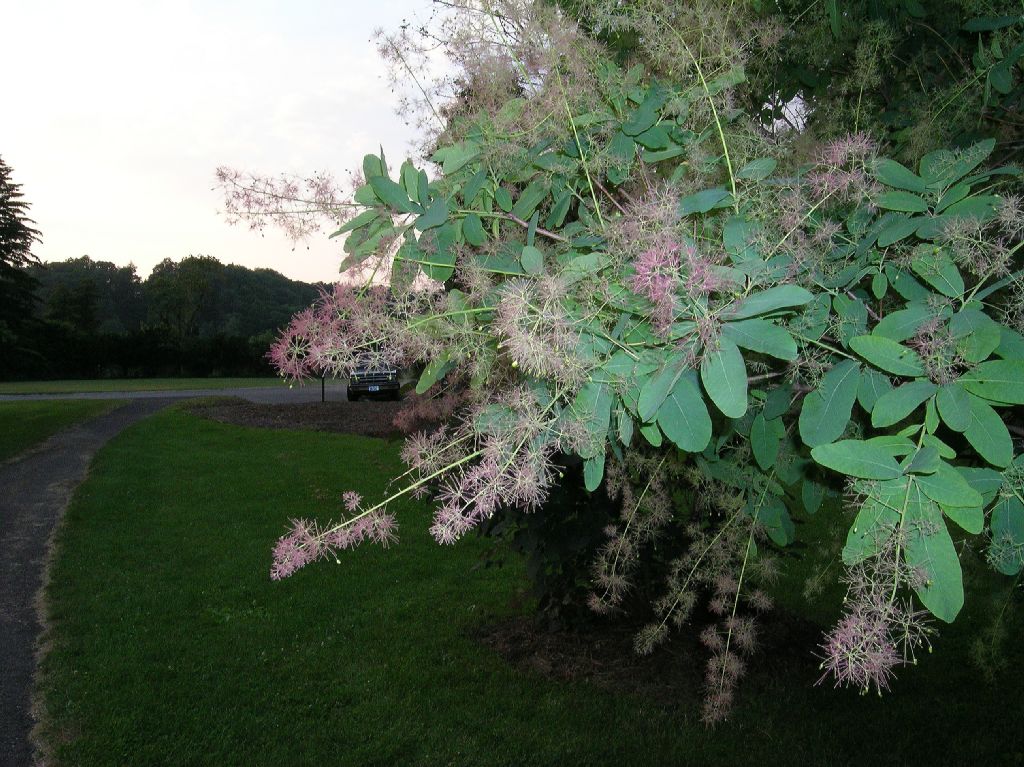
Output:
x=116 y=115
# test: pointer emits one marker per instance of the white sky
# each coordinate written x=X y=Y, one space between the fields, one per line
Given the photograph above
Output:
x=121 y=111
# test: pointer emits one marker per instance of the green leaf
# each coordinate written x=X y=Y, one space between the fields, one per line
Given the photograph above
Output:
x=901 y=325
x=737 y=237
x=872 y=386
x=977 y=334
x=473 y=230
x=948 y=488
x=902 y=201
x=990 y=23
x=531 y=197
x=812 y=493
x=651 y=433
x=905 y=284
x=410 y=180
x=954 y=406
x=826 y=410
x=684 y=418
x=925 y=461
x=969 y=519
x=988 y=482
x=835 y=18
x=593 y=472
x=981 y=208
x=770 y=300
x=765 y=437
x=646 y=115
x=626 y=427
x=939 y=271
x=1006 y=552
x=761 y=336
x=900 y=228
x=774 y=516
x=778 y=402
x=503 y=198
x=365 y=196
x=593 y=406
x=433 y=372
x=532 y=260
x=438 y=246
x=436 y=215
x=879 y=285
x=556 y=217
x=875 y=523
x=364 y=218
x=393 y=195
x=704 y=201
x=930 y=549
x=654 y=391
x=372 y=166
x=891 y=173
x=888 y=355
x=757 y=170
x=997 y=380
x=900 y=402
x=473 y=187
x=724 y=376
x=953 y=195
x=856 y=458
x=988 y=434
x=454 y=157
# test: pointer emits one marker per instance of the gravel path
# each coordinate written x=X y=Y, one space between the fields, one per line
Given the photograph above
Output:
x=271 y=395
x=35 y=489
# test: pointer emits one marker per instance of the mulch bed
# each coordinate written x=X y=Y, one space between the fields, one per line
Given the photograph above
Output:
x=671 y=676
x=370 y=418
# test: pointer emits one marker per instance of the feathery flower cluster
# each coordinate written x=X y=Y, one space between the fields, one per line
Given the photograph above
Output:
x=656 y=278
x=879 y=629
x=843 y=173
x=510 y=465
x=307 y=542
x=939 y=350
x=536 y=332
x=347 y=328
x=299 y=207
x=644 y=515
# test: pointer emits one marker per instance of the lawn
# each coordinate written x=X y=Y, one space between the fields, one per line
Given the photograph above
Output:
x=170 y=645
x=25 y=424
x=132 y=384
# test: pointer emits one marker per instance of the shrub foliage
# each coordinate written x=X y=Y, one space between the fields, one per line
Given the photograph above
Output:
x=612 y=261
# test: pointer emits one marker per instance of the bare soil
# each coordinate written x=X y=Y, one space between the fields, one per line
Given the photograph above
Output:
x=672 y=675
x=370 y=418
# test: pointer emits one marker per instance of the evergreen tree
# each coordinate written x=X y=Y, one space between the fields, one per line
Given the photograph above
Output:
x=17 y=287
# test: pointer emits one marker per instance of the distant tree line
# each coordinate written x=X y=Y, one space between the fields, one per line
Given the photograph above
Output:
x=196 y=317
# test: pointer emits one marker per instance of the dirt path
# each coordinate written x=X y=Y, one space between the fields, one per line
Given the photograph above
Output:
x=34 y=491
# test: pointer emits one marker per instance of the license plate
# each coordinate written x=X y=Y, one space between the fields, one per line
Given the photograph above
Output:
x=373 y=388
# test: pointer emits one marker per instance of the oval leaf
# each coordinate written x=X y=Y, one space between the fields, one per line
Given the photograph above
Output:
x=725 y=378
x=856 y=458
x=826 y=410
x=888 y=355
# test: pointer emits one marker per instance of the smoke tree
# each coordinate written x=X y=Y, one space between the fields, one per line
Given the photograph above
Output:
x=608 y=260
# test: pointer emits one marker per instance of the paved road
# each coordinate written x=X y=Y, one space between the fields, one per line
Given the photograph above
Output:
x=35 y=489
x=275 y=395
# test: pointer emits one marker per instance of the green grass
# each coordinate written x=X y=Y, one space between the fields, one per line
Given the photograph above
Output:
x=25 y=424
x=132 y=384
x=172 y=646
